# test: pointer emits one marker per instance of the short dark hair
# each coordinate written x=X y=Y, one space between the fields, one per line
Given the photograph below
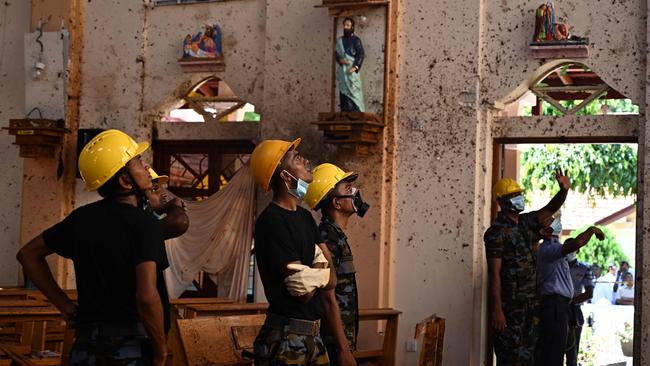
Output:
x=112 y=186
x=625 y=262
x=325 y=204
x=276 y=180
x=348 y=19
x=628 y=274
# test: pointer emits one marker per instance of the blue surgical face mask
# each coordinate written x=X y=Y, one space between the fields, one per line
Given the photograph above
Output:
x=301 y=187
x=556 y=225
x=517 y=203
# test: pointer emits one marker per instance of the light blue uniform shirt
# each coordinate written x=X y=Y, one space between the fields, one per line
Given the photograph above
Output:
x=553 y=273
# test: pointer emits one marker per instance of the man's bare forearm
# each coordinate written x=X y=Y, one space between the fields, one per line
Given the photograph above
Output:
x=553 y=205
x=175 y=223
x=495 y=292
x=580 y=241
x=32 y=257
x=151 y=314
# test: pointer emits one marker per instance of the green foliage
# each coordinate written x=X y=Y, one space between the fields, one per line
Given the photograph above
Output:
x=594 y=169
x=599 y=252
x=591 y=109
x=251 y=117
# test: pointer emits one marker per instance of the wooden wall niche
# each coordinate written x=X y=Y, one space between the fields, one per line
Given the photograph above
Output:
x=361 y=130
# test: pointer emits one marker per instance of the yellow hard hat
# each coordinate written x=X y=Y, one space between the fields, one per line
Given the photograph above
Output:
x=266 y=157
x=160 y=179
x=504 y=187
x=326 y=176
x=105 y=155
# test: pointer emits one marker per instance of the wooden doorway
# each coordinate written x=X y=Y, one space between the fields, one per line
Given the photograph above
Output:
x=503 y=165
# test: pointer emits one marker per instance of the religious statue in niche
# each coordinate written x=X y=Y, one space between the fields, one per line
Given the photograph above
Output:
x=547 y=30
x=203 y=45
x=349 y=57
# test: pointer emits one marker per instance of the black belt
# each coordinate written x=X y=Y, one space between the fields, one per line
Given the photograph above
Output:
x=557 y=297
x=296 y=326
x=102 y=329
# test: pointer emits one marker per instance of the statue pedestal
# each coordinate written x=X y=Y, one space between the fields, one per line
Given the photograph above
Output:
x=351 y=129
x=559 y=50
x=195 y=64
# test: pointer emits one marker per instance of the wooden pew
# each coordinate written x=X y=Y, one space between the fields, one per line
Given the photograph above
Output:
x=22 y=303
x=181 y=304
x=194 y=311
x=24 y=294
x=34 y=330
x=197 y=347
x=219 y=340
x=178 y=311
x=385 y=355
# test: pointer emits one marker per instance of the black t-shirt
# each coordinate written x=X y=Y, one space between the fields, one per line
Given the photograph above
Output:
x=106 y=240
x=283 y=236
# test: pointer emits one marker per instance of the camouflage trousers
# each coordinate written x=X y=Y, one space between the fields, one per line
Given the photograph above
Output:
x=104 y=350
x=279 y=347
x=515 y=345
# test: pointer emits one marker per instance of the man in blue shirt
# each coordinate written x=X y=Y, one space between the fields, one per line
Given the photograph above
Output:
x=556 y=289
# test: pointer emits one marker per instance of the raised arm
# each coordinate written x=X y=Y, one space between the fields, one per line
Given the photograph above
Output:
x=176 y=222
x=582 y=240
x=558 y=200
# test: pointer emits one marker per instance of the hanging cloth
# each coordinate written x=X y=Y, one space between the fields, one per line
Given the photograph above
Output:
x=218 y=241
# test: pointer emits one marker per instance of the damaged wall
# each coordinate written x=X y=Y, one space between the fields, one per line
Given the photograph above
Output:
x=455 y=59
x=14 y=23
x=436 y=168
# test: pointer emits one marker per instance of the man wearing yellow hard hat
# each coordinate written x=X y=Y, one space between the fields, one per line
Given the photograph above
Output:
x=119 y=256
x=291 y=260
x=170 y=210
x=512 y=263
x=333 y=193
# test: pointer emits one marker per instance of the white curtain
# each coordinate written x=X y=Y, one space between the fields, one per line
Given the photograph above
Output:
x=218 y=240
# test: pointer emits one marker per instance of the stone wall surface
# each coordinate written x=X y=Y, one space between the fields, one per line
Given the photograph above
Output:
x=14 y=23
x=420 y=247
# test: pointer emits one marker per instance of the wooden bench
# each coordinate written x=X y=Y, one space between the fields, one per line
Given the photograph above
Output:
x=32 y=326
x=208 y=337
x=181 y=304
x=22 y=303
x=219 y=340
x=194 y=311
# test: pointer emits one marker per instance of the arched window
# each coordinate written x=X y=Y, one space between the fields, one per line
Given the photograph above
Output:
x=212 y=100
x=566 y=87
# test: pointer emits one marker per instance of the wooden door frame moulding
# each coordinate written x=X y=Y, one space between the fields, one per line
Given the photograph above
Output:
x=391 y=97
x=576 y=129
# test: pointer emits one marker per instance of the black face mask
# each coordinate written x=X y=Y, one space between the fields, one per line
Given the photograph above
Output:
x=348 y=32
x=360 y=207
